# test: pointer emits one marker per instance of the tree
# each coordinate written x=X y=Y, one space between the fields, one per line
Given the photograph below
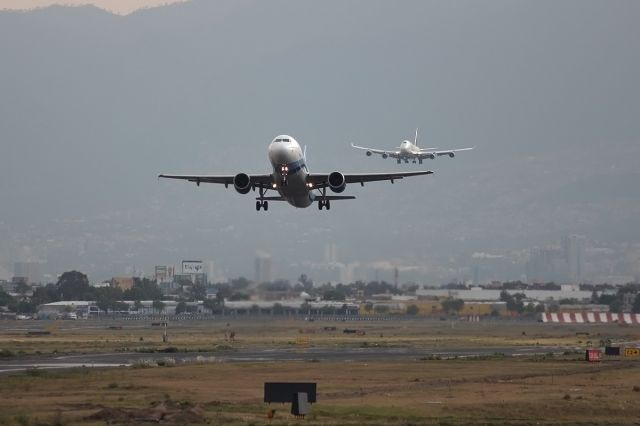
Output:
x=240 y=283
x=22 y=289
x=306 y=283
x=158 y=305
x=46 y=294
x=278 y=309
x=452 y=305
x=636 y=304
x=181 y=307
x=381 y=309
x=238 y=296
x=213 y=305
x=9 y=301
x=333 y=294
x=198 y=291
x=143 y=289
x=74 y=285
x=412 y=310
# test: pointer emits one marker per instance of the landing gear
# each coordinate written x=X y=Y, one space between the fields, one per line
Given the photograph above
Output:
x=324 y=203
x=261 y=203
x=399 y=161
x=420 y=161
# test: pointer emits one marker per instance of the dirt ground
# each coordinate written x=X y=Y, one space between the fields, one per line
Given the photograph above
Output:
x=559 y=389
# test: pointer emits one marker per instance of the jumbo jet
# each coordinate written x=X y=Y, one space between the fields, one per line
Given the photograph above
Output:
x=291 y=179
x=411 y=151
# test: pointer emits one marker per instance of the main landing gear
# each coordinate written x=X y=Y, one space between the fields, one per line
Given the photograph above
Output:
x=261 y=203
x=324 y=203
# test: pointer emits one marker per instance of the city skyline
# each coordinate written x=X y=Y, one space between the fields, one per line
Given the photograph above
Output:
x=96 y=105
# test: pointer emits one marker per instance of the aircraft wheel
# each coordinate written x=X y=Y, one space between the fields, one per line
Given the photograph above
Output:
x=319 y=204
x=328 y=205
x=265 y=205
x=258 y=205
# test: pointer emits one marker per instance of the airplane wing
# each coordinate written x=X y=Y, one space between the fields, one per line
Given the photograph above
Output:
x=320 y=180
x=449 y=152
x=226 y=180
x=327 y=197
x=384 y=153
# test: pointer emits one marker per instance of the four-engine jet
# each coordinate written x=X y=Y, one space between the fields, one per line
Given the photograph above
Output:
x=291 y=178
x=411 y=151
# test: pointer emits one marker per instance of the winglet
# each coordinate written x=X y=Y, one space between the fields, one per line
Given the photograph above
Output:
x=415 y=141
x=304 y=153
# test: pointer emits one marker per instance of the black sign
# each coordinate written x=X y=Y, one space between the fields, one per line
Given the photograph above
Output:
x=286 y=391
x=612 y=350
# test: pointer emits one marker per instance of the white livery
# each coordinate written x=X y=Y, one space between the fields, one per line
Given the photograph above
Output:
x=411 y=151
x=291 y=179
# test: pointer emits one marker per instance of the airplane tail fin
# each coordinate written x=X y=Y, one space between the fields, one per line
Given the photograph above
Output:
x=304 y=153
x=415 y=141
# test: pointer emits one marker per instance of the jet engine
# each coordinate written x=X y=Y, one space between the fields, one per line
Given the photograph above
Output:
x=432 y=156
x=242 y=183
x=451 y=155
x=384 y=155
x=337 y=182
x=368 y=153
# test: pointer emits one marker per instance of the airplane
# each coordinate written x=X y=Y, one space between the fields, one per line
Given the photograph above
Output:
x=292 y=180
x=411 y=151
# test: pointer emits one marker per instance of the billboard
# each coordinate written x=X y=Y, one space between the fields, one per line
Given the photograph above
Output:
x=192 y=267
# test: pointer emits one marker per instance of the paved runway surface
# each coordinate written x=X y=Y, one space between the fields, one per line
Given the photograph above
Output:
x=119 y=359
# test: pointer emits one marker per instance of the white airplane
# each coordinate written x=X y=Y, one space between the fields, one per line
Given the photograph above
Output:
x=291 y=178
x=411 y=151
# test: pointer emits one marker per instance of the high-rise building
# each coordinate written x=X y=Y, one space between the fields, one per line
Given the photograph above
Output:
x=262 y=267
x=31 y=272
x=330 y=253
x=573 y=246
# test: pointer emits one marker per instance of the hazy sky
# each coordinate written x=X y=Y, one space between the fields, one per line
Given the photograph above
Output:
x=121 y=7
x=95 y=105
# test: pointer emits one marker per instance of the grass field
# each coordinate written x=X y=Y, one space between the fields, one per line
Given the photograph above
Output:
x=561 y=389
x=98 y=336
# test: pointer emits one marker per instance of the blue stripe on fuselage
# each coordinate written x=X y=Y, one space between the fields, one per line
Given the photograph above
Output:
x=295 y=166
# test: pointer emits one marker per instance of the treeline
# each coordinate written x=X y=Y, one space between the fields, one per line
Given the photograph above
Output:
x=74 y=285
x=241 y=289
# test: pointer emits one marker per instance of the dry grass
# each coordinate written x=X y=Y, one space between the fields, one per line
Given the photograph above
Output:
x=496 y=390
x=95 y=336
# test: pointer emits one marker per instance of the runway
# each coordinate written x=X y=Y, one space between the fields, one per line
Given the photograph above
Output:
x=126 y=359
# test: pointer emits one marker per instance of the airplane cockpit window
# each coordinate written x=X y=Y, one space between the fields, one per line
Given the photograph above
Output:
x=285 y=140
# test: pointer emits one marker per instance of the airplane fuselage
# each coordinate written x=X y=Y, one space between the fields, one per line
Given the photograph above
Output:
x=290 y=171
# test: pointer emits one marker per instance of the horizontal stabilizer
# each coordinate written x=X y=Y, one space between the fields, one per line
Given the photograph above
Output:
x=337 y=197
x=271 y=198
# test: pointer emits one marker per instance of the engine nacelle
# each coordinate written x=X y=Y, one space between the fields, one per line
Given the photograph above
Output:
x=368 y=153
x=242 y=183
x=432 y=156
x=337 y=182
x=451 y=155
x=384 y=155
